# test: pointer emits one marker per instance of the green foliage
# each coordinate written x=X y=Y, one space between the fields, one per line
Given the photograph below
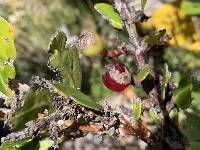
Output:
x=79 y=97
x=34 y=102
x=190 y=119
x=143 y=73
x=68 y=63
x=137 y=108
x=154 y=116
x=155 y=38
x=183 y=93
x=165 y=80
x=7 y=45
x=6 y=72
x=46 y=144
x=66 y=60
x=109 y=14
x=8 y=51
x=20 y=145
x=27 y=144
x=143 y=3
x=191 y=7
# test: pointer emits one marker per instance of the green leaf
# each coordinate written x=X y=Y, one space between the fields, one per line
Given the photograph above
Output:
x=78 y=97
x=155 y=38
x=34 y=102
x=7 y=46
x=191 y=7
x=154 y=116
x=14 y=145
x=196 y=83
x=6 y=72
x=143 y=3
x=165 y=80
x=196 y=98
x=194 y=145
x=183 y=93
x=137 y=108
x=109 y=14
x=46 y=144
x=66 y=60
x=190 y=125
x=20 y=145
x=189 y=121
x=7 y=52
x=143 y=73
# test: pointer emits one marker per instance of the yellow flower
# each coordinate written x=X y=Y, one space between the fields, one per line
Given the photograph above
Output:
x=195 y=46
x=178 y=25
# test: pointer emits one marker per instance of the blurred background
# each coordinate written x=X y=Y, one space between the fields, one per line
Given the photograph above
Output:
x=35 y=21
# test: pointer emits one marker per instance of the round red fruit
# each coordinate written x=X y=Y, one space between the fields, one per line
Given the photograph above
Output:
x=116 y=77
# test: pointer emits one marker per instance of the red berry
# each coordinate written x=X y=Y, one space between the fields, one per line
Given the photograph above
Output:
x=116 y=77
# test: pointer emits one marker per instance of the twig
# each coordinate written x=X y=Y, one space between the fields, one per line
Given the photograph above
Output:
x=70 y=117
x=139 y=46
x=138 y=50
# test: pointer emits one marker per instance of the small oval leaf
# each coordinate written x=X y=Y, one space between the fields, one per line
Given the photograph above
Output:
x=143 y=3
x=183 y=93
x=154 y=116
x=143 y=73
x=165 y=80
x=155 y=38
x=45 y=144
x=109 y=14
x=137 y=108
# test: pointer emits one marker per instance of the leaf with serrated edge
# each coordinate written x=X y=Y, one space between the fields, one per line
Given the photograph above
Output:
x=109 y=14
x=66 y=60
x=78 y=96
x=183 y=93
x=143 y=73
x=165 y=80
x=137 y=108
